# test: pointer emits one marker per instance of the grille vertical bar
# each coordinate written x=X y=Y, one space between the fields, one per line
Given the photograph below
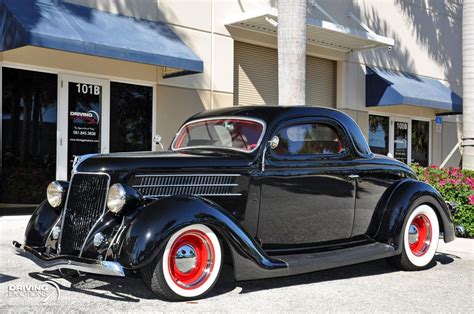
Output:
x=84 y=206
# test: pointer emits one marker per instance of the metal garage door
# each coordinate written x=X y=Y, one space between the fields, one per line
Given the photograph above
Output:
x=256 y=77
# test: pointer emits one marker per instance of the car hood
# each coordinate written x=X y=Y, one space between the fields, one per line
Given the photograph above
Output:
x=159 y=161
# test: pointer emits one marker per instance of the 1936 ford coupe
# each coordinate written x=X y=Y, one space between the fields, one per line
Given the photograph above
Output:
x=277 y=191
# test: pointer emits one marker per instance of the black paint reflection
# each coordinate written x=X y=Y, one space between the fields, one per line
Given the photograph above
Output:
x=305 y=209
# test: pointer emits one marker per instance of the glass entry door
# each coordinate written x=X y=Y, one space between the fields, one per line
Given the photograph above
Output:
x=84 y=123
x=401 y=140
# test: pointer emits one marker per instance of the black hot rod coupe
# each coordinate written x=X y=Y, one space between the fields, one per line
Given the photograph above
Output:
x=276 y=190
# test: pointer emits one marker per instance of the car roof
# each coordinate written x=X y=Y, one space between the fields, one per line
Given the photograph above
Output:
x=274 y=115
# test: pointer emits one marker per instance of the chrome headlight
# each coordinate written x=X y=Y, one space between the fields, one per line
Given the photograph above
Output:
x=55 y=193
x=117 y=198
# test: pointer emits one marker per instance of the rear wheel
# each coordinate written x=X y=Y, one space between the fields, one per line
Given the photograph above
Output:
x=188 y=267
x=420 y=239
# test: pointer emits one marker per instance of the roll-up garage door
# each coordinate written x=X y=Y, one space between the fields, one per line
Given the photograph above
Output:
x=256 y=77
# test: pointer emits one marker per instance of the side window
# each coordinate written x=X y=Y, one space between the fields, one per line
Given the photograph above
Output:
x=309 y=139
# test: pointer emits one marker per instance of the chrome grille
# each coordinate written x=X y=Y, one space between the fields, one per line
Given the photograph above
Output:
x=84 y=206
x=161 y=185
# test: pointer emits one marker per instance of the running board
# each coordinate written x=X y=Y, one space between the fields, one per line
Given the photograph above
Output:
x=306 y=263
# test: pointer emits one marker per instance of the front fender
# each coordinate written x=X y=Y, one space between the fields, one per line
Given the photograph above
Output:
x=157 y=221
x=394 y=207
x=41 y=222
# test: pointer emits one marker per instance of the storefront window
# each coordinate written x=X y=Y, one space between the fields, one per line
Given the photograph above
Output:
x=420 y=134
x=378 y=134
x=131 y=111
x=29 y=122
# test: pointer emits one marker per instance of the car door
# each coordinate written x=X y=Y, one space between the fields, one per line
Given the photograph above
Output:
x=307 y=191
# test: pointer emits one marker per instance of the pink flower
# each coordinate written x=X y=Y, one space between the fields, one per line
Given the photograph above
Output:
x=442 y=183
x=434 y=166
x=471 y=199
x=470 y=181
x=455 y=182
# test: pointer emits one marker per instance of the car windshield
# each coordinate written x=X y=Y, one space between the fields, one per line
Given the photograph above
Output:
x=228 y=133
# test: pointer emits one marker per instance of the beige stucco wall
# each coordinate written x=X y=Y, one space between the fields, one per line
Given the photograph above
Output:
x=81 y=64
x=427 y=38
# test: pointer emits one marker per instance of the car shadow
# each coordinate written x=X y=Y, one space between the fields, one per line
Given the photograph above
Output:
x=133 y=289
x=128 y=289
x=374 y=268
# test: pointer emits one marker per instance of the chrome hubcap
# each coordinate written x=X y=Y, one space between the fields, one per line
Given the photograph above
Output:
x=413 y=234
x=185 y=258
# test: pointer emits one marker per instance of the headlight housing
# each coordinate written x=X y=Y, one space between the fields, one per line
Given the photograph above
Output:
x=55 y=193
x=117 y=198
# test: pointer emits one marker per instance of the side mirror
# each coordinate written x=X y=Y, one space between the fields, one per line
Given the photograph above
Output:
x=157 y=139
x=273 y=143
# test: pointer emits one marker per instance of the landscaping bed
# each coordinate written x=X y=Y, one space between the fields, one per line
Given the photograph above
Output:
x=456 y=186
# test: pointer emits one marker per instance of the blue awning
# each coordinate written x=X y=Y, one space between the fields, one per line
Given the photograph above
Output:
x=388 y=88
x=73 y=28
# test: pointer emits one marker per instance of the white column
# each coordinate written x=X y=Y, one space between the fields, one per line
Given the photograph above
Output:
x=291 y=52
x=468 y=83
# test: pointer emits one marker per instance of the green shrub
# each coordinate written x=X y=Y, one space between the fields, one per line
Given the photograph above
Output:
x=455 y=185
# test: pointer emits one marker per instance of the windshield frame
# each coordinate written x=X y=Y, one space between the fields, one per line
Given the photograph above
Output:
x=262 y=135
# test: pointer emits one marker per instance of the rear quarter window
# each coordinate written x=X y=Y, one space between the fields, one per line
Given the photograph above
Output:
x=309 y=139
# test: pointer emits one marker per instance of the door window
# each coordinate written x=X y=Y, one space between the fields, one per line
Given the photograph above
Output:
x=309 y=139
x=29 y=126
x=379 y=134
x=131 y=112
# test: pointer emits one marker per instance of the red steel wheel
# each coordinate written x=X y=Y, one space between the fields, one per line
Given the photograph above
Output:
x=192 y=261
x=419 y=235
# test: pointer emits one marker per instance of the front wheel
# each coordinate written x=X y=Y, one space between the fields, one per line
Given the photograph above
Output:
x=420 y=239
x=188 y=267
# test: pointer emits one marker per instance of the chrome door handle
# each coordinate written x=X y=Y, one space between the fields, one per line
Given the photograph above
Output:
x=353 y=176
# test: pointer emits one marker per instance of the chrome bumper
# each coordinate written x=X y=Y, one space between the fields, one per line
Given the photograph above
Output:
x=69 y=262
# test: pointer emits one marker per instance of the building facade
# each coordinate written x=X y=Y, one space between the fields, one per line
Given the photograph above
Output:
x=59 y=102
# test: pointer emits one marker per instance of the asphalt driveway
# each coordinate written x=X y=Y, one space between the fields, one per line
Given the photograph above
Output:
x=376 y=287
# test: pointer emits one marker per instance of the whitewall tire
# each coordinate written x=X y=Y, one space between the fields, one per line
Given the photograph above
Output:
x=420 y=239
x=189 y=265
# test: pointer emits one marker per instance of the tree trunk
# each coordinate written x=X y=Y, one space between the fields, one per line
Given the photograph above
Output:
x=291 y=52
x=468 y=83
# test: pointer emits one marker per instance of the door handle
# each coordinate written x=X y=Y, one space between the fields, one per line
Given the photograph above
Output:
x=353 y=176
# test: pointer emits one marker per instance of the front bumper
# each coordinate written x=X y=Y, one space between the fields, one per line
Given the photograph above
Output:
x=69 y=262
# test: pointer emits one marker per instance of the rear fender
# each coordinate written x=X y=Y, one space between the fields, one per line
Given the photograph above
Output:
x=395 y=206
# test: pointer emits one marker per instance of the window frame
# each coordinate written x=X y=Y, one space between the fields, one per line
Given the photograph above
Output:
x=256 y=148
x=338 y=128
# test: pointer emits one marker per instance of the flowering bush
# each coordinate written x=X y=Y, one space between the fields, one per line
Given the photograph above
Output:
x=456 y=186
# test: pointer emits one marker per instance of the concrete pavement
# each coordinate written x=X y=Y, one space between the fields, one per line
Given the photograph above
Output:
x=376 y=287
